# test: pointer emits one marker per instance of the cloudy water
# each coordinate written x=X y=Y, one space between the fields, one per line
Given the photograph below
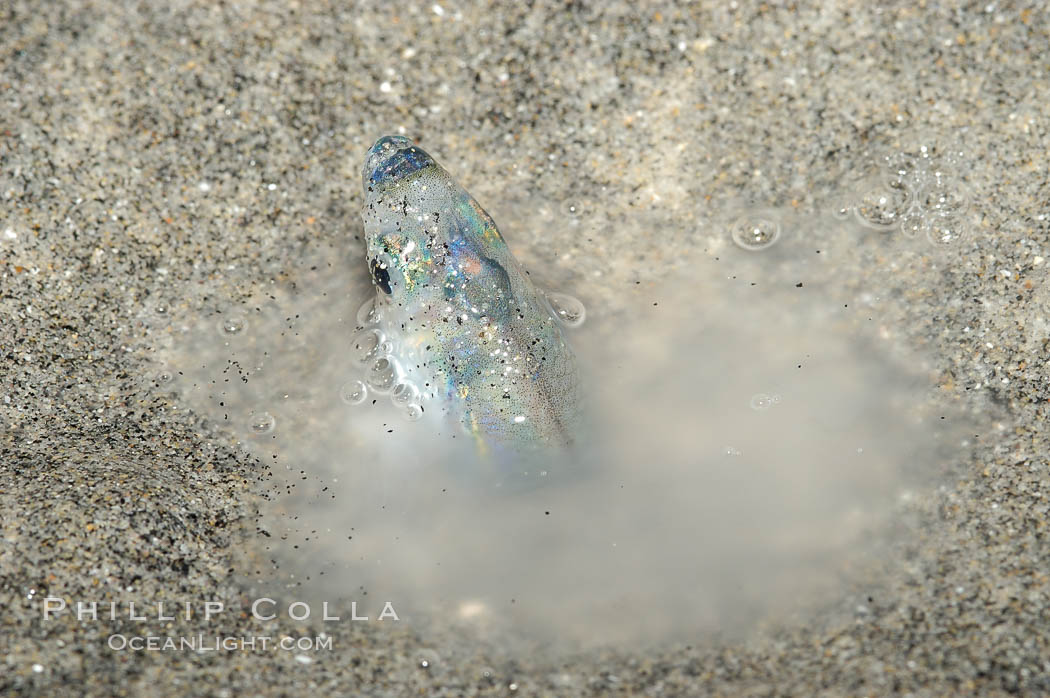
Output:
x=757 y=423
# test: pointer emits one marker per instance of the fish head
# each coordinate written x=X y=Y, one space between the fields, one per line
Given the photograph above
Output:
x=429 y=245
x=392 y=158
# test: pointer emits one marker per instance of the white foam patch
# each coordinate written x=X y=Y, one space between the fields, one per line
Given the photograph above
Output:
x=750 y=442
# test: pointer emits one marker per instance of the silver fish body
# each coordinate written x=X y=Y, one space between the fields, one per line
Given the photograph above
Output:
x=470 y=332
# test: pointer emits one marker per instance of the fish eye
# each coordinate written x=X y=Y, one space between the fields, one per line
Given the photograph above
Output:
x=380 y=276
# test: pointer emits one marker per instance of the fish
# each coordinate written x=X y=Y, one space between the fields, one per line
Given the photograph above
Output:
x=460 y=329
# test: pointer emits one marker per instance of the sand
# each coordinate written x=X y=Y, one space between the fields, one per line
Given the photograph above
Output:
x=160 y=160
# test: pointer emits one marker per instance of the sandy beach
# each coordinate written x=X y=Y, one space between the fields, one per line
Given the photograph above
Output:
x=161 y=163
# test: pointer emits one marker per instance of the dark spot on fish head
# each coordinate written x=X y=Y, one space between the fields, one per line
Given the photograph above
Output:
x=391 y=158
x=380 y=276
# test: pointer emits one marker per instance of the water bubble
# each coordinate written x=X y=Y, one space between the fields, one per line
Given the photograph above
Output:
x=386 y=347
x=353 y=392
x=383 y=375
x=913 y=222
x=731 y=451
x=231 y=325
x=368 y=313
x=364 y=346
x=755 y=231
x=842 y=206
x=161 y=309
x=263 y=423
x=761 y=402
x=165 y=377
x=404 y=394
x=939 y=173
x=942 y=230
x=428 y=660
x=572 y=208
x=567 y=309
x=901 y=188
x=944 y=196
x=486 y=674
x=903 y=171
x=413 y=412
x=880 y=206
